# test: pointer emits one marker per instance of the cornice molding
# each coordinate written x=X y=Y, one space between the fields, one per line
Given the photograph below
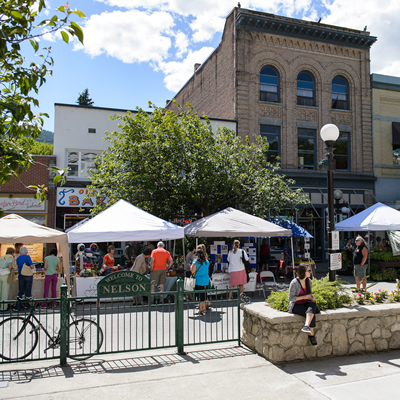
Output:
x=270 y=23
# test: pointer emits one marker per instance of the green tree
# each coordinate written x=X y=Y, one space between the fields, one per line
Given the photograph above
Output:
x=84 y=99
x=34 y=147
x=21 y=79
x=173 y=164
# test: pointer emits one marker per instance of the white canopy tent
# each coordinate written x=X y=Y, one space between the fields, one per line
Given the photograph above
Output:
x=15 y=229
x=234 y=223
x=124 y=222
x=378 y=217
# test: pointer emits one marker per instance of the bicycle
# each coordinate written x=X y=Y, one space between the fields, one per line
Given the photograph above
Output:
x=19 y=336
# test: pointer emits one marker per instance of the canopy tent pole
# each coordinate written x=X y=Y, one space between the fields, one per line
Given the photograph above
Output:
x=369 y=252
x=173 y=252
x=291 y=242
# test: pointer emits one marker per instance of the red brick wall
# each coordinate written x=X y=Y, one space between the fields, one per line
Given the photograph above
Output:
x=38 y=174
x=211 y=90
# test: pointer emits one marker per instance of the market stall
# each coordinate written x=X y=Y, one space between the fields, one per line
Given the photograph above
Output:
x=120 y=222
x=15 y=229
x=378 y=217
x=233 y=223
x=297 y=232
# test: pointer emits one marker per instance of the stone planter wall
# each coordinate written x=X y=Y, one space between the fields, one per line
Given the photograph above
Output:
x=277 y=335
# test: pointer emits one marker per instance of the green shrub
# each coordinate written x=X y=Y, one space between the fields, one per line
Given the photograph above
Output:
x=375 y=268
x=279 y=300
x=328 y=295
x=377 y=276
x=384 y=256
x=389 y=274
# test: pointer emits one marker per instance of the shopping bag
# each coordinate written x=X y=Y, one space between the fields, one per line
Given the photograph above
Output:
x=189 y=284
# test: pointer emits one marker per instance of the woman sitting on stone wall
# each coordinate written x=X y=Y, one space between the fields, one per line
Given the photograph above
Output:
x=301 y=300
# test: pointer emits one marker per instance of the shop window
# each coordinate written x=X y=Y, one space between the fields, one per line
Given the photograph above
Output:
x=342 y=151
x=269 y=84
x=273 y=135
x=81 y=162
x=305 y=89
x=306 y=148
x=396 y=142
x=340 y=93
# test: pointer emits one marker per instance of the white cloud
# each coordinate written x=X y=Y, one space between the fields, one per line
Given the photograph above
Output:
x=206 y=26
x=131 y=36
x=177 y=73
x=381 y=21
x=138 y=36
x=181 y=43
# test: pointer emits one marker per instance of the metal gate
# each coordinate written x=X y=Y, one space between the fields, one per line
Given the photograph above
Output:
x=82 y=327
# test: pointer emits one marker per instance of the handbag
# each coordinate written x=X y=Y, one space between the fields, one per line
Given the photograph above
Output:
x=26 y=270
x=11 y=277
x=247 y=266
x=4 y=265
x=190 y=283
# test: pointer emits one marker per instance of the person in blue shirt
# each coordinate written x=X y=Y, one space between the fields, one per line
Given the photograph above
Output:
x=199 y=270
x=24 y=282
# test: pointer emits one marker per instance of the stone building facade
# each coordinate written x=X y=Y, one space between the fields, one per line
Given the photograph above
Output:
x=285 y=78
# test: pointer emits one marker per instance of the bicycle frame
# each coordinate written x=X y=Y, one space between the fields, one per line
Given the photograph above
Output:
x=39 y=326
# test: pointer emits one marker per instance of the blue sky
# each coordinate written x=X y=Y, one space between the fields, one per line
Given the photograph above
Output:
x=137 y=51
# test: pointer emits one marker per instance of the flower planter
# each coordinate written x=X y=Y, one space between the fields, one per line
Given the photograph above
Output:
x=387 y=264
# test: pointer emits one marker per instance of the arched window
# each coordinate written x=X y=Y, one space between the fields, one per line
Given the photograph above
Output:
x=340 y=93
x=305 y=89
x=269 y=84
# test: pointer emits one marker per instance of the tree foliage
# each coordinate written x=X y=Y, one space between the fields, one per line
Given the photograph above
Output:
x=173 y=165
x=21 y=79
x=84 y=99
x=34 y=147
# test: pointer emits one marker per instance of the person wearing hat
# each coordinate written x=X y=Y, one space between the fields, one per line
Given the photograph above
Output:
x=360 y=256
x=161 y=260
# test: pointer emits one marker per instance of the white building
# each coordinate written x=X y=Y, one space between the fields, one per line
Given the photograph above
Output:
x=78 y=138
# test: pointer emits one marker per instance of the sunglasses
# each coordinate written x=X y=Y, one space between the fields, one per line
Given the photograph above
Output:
x=309 y=270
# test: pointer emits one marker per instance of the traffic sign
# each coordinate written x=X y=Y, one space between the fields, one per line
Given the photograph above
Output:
x=335 y=261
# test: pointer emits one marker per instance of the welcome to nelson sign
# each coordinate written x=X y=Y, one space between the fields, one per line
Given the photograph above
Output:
x=123 y=284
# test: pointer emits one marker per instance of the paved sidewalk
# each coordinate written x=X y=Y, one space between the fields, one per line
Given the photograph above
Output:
x=209 y=371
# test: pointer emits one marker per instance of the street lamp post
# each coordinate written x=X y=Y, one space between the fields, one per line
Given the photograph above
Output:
x=329 y=134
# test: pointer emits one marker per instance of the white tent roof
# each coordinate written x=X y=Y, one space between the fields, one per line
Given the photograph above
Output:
x=124 y=222
x=378 y=217
x=234 y=223
x=15 y=229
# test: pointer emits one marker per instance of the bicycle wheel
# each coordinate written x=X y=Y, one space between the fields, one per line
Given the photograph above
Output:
x=83 y=339
x=18 y=338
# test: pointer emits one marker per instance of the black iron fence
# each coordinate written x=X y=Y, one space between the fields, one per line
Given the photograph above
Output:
x=80 y=328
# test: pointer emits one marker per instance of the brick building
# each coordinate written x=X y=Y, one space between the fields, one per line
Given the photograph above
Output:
x=285 y=78
x=17 y=198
